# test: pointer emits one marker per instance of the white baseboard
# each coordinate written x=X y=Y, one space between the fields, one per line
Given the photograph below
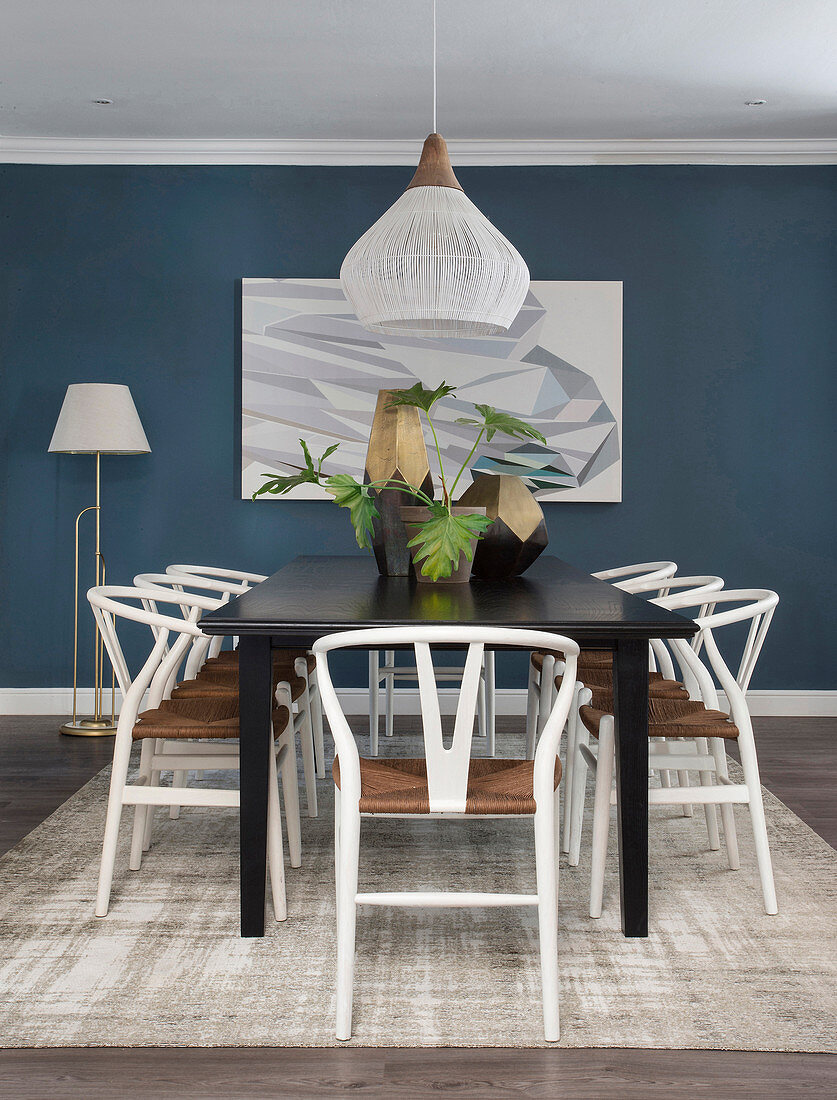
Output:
x=763 y=702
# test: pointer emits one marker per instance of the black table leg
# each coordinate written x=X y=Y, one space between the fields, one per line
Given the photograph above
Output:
x=255 y=705
x=630 y=689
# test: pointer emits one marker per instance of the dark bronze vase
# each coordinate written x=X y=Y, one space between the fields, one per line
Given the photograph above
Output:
x=396 y=452
x=518 y=533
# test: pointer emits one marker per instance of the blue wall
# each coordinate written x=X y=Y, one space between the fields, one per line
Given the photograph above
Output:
x=129 y=274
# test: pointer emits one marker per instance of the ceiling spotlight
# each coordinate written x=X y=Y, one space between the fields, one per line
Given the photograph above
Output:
x=755 y=102
x=102 y=102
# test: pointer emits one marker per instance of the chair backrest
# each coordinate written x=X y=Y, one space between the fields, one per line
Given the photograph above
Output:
x=753 y=605
x=447 y=766
x=113 y=602
x=626 y=576
x=221 y=574
x=685 y=586
x=239 y=582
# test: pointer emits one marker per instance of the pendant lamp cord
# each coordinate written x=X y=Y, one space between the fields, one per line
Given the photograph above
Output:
x=434 y=66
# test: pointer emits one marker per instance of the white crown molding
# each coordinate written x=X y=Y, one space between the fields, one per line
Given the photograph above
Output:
x=762 y=702
x=52 y=150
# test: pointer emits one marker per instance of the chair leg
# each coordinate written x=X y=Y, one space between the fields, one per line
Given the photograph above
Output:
x=149 y=813
x=751 y=778
x=302 y=721
x=601 y=814
x=317 y=719
x=119 y=773
x=347 y=871
x=573 y=722
x=688 y=808
x=547 y=691
x=532 y=701
x=275 y=855
x=178 y=780
x=290 y=796
x=556 y=825
x=546 y=857
x=490 y=702
x=719 y=752
x=482 y=725
x=578 y=794
x=389 y=657
x=337 y=853
x=140 y=812
x=709 y=809
x=374 y=700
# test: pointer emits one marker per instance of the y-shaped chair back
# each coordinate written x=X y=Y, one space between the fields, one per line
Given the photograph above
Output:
x=447 y=765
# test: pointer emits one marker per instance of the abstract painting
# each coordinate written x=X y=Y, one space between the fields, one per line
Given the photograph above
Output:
x=309 y=370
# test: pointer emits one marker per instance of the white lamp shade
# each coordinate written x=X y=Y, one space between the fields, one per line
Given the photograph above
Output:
x=99 y=416
x=434 y=265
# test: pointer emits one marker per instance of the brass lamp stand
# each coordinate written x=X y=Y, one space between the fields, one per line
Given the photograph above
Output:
x=96 y=419
x=98 y=725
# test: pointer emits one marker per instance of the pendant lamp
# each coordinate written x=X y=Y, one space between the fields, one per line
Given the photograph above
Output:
x=433 y=265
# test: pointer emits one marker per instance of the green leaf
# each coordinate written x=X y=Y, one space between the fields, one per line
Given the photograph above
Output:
x=494 y=421
x=309 y=462
x=328 y=451
x=444 y=537
x=418 y=397
x=349 y=493
x=277 y=486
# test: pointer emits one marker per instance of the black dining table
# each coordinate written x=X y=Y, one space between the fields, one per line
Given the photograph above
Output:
x=313 y=596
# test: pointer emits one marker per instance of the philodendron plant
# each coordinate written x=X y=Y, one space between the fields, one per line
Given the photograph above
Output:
x=443 y=536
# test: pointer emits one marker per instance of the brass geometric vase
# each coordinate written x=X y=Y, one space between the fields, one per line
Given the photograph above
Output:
x=518 y=533
x=396 y=452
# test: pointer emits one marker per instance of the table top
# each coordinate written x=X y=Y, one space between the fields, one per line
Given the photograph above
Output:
x=313 y=596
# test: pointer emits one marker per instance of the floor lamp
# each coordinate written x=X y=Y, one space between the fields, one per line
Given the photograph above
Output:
x=96 y=419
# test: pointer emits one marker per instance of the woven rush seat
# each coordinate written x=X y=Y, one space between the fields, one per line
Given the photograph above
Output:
x=589 y=658
x=672 y=718
x=400 y=786
x=281 y=657
x=226 y=678
x=600 y=683
x=227 y=688
x=197 y=718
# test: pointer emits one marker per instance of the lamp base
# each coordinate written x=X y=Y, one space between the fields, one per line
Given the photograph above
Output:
x=89 y=727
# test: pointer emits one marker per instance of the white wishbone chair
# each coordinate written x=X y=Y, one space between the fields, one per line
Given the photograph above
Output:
x=313 y=697
x=695 y=732
x=446 y=784
x=212 y=676
x=175 y=740
x=542 y=669
x=596 y=679
x=201 y=647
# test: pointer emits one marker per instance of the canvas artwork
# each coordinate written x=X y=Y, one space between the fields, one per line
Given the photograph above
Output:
x=311 y=371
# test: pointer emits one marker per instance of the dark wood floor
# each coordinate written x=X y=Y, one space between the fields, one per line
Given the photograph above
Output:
x=40 y=770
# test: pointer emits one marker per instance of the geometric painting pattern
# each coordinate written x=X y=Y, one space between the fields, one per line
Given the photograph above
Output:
x=311 y=371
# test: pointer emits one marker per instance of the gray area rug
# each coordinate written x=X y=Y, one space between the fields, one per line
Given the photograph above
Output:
x=167 y=967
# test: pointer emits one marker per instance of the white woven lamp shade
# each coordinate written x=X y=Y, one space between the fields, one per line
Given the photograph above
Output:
x=99 y=417
x=433 y=265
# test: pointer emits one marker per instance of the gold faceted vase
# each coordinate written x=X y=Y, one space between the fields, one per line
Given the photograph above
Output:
x=396 y=452
x=518 y=533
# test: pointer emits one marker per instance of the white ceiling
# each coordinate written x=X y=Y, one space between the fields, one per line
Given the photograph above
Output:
x=342 y=69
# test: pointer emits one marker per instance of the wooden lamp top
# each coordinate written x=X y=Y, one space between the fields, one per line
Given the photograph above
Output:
x=434 y=167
